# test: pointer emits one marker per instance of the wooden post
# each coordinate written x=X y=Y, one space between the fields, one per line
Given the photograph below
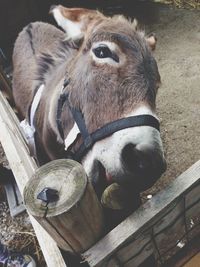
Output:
x=74 y=218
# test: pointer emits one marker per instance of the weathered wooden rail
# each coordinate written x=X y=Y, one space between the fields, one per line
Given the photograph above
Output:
x=161 y=226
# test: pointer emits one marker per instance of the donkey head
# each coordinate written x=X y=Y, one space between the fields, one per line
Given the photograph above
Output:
x=114 y=75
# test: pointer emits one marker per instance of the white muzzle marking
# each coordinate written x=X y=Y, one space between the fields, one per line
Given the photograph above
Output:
x=108 y=151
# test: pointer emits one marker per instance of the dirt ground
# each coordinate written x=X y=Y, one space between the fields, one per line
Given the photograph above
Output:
x=178 y=103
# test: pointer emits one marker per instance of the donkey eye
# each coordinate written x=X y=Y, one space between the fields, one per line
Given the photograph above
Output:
x=103 y=51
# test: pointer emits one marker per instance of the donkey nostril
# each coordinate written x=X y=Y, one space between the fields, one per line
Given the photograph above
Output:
x=135 y=160
x=129 y=157
x=143 y=166
x=144 y=161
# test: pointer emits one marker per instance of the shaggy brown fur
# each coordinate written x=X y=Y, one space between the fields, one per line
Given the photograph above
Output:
x=43 y=55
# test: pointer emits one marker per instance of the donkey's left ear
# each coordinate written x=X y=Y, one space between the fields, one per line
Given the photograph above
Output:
x=74 y=21
x=151 y=40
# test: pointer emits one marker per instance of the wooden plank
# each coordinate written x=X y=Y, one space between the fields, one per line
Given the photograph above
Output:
x=169 y=234
x=131 y=253
x=195 y=261
x=193 y=219
x=192 y=196
x=170 y=229
x=140 y=258
x=14 y=198
x=114 y=262
x=186 y=256
x=146 y=216
x=23 y=167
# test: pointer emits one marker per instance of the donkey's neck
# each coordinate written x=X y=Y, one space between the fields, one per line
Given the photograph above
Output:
x=53 y=77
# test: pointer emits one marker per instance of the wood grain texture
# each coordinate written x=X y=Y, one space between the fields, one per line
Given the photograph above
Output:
x=75 y=219
x=23 y=167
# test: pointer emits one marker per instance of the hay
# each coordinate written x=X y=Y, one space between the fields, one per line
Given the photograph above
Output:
x=18 y=235
x=26 y=243
x=191 y=4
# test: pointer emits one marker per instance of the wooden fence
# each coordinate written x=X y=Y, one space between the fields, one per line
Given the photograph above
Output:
x=162 y=226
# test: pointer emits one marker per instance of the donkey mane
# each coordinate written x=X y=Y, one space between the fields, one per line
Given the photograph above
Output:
x=48 y=61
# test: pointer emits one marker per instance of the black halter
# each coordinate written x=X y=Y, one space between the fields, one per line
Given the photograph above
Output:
x=89 y=139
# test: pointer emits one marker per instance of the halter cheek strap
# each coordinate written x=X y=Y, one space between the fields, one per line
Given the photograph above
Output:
x=89 y=139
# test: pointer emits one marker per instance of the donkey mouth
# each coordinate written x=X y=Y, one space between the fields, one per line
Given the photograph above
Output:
x=128 y=196
x=101 y=180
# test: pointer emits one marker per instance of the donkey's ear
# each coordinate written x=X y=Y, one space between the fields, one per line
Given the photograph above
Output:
x=74 y=21
x=151 y=40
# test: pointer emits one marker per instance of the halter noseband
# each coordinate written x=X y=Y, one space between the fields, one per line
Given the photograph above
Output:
x=89 y=139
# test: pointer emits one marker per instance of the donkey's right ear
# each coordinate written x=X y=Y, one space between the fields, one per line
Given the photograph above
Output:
x=151 y=40
x=74 y=21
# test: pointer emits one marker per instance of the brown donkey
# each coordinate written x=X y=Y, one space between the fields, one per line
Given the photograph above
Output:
x=100 y=71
